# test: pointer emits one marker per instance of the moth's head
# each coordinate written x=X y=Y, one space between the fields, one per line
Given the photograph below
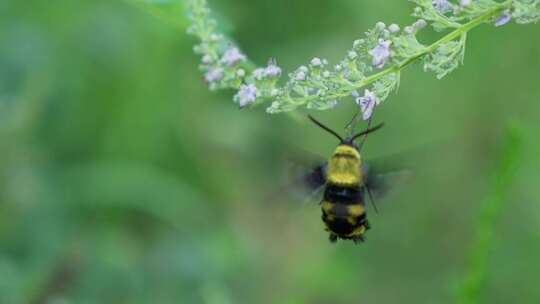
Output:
x=350 y=141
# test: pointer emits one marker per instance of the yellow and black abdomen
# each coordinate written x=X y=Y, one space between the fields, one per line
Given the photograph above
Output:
x=343 y=205
x=343 y=213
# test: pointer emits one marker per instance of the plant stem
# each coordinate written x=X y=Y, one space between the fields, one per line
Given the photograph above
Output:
x=489 y=213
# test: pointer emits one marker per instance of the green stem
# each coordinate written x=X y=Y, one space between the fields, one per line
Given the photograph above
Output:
x=463 y=29
x=490 y=211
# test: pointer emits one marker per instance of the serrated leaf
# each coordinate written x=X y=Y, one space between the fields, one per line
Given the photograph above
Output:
x=526 y=11
x=384 y=86
x=446 y=57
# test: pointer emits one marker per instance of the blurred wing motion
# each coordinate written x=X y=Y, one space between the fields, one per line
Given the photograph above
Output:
x=313 y=179
x=305 y=183
x=305 y=176
x=384 y=174
x=381 y=183
x=307 y=171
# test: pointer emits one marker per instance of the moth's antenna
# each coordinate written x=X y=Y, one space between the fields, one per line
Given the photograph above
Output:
x=367 y=131
x=365 y=137
x=351 y=126
x=325 y=128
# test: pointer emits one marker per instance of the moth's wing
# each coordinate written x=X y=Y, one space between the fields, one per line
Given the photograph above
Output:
x=307 y=170
x=306 y=183
x=303 y=180
x=310 y=184
x=313 y=179
x=380 y=184
x=384 y=174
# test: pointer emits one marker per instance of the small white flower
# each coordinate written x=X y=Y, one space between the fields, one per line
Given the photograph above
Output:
x=465 y=2
x=240 y=73
x=367 y=103
x=380 y=26
x=504 y=18
x=275 y=104
x=358 y=42
x=258 y=73
x=215 y=37
x=409 y=29
x=443 y=6
x=420 y=24
x=206 y=59
x=352 y=55
x=213 y=75
x=232 y=56
x=301 y=76
x=275 y=92
x=338 y=67
x=393 y=28
x=272 y=70
x=303 y=69
x=246 y=94
x=326 y=74
x=380 y=53
x=316 y=62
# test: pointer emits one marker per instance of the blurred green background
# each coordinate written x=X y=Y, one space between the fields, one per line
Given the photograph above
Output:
x=124 y=180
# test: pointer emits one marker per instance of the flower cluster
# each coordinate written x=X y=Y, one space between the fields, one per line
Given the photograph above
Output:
x=374 y=62
x=223 y=63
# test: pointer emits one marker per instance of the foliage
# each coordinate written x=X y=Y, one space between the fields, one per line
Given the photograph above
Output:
x=490 y=212
x=321 y=86
x=124 y=180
